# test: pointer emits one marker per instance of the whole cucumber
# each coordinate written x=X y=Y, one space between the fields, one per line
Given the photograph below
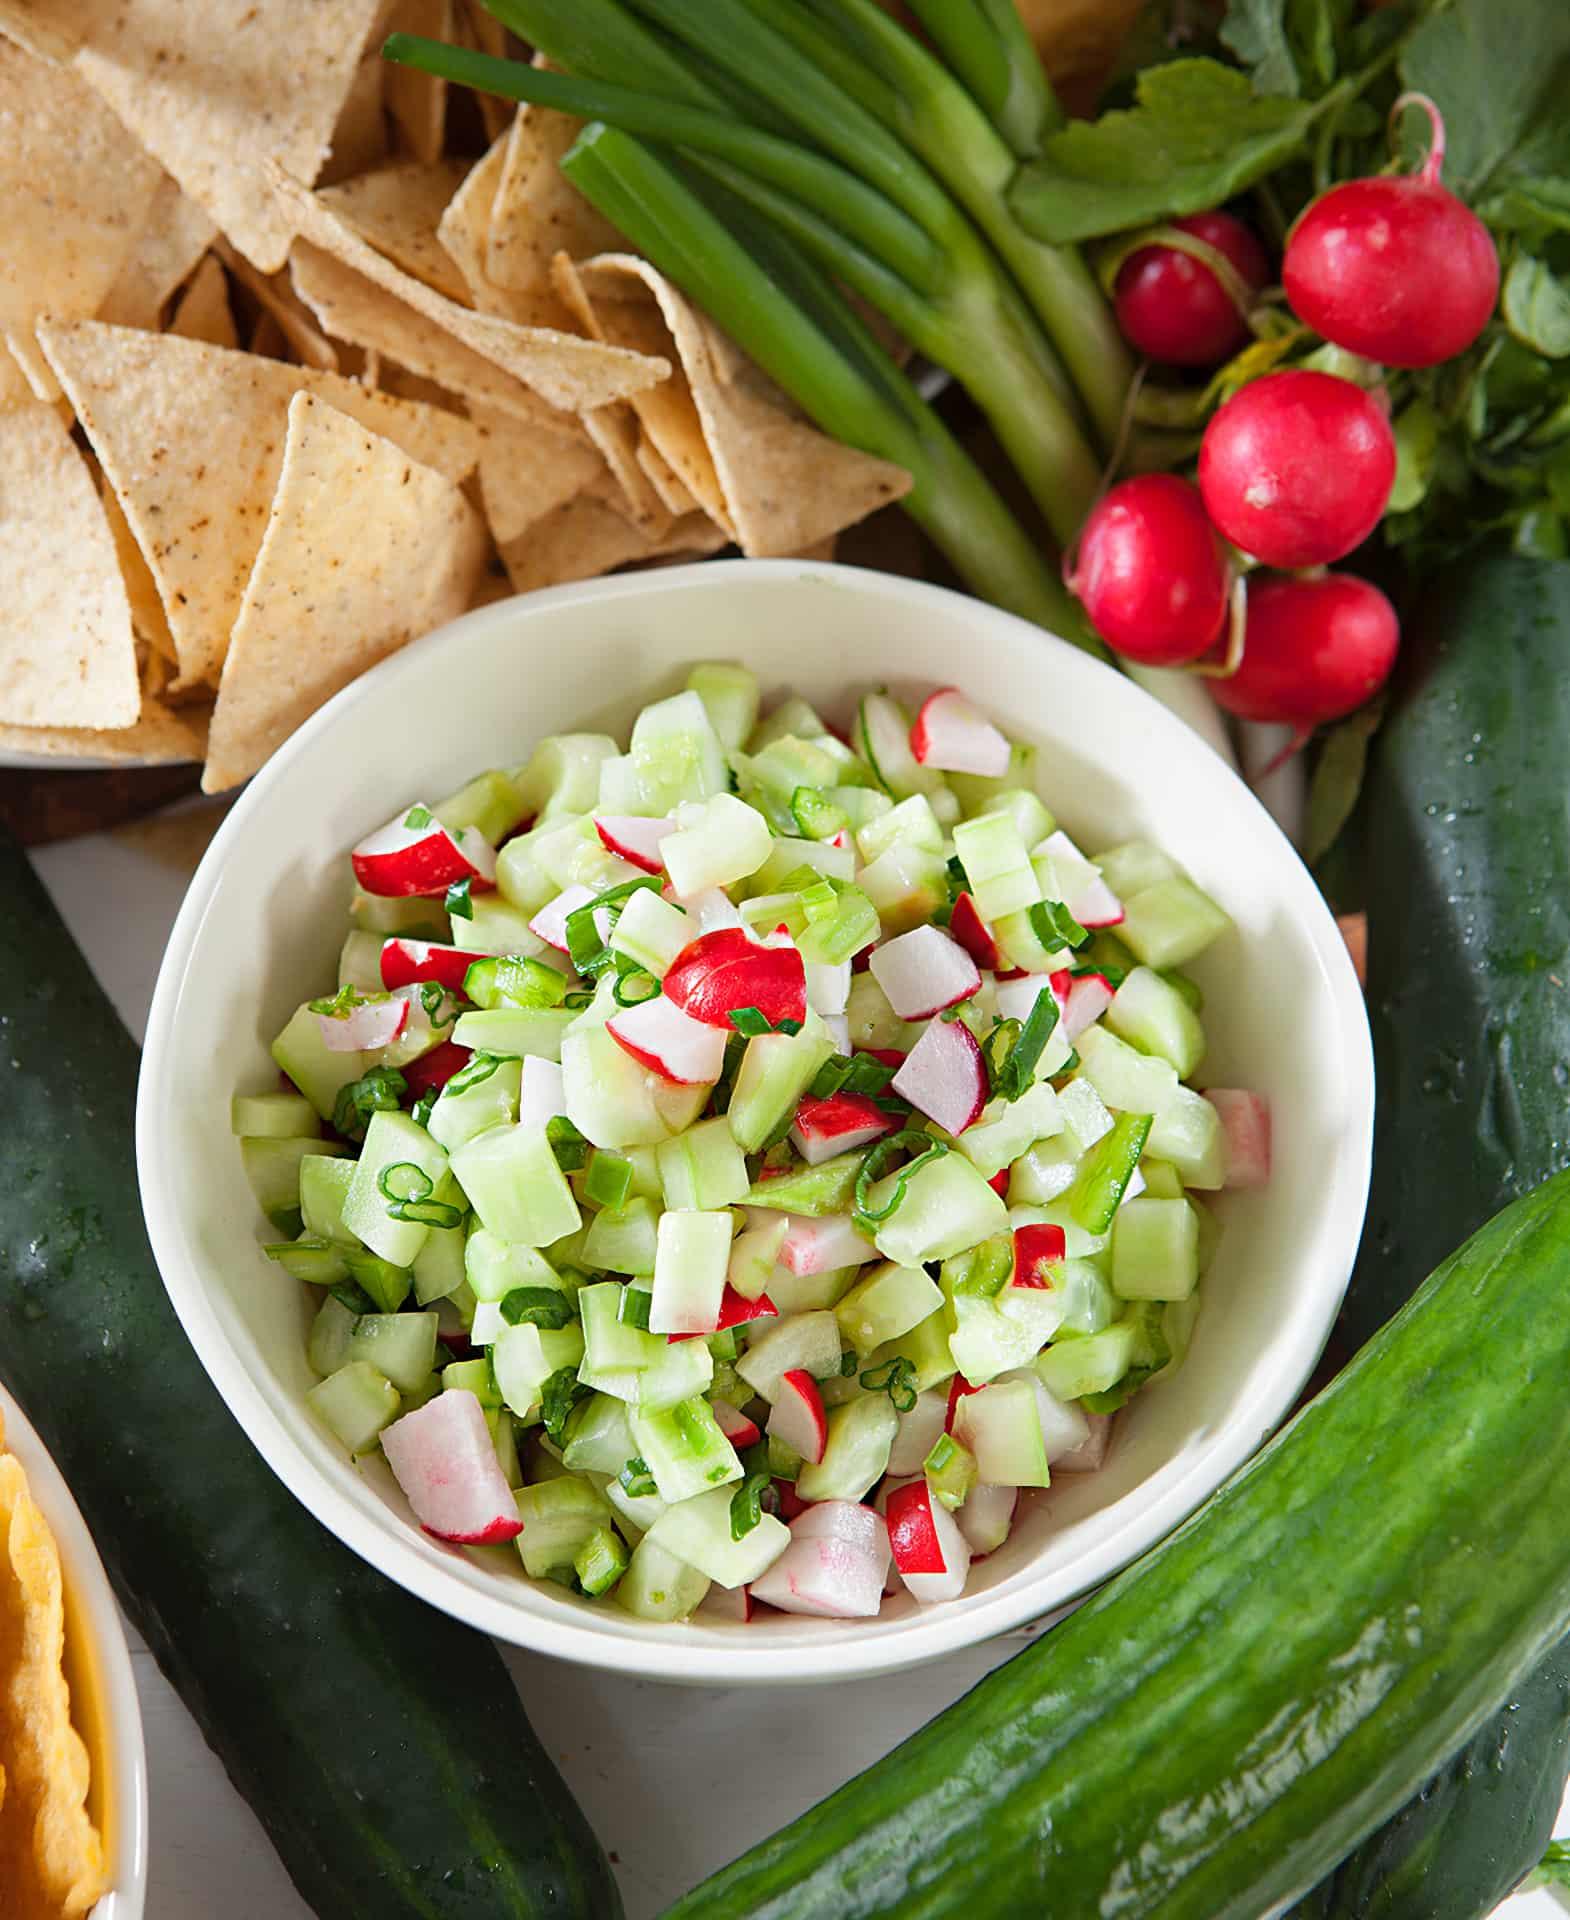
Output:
x=382 y=1745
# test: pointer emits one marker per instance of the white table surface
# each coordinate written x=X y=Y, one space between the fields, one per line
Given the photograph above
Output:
x=675 y=1781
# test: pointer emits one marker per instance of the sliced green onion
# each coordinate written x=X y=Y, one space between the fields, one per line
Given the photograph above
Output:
x=609 y=1180
x=379 y=1091
x=1012 y=1074
x=752 y=1021
x=984 y=1269
x=1113 y=974
x=340 y=1005
x=407 y=1189
x=569 y=1146
x=479 y=1069
x=418 y=817
x=513 y=980
x=435 y=998
x=1054 y=926
x=896 y=1378
x=578 y=999
x=943 y=1451
x=628 y=978
x=820 y=900
x=560 y=1393
x=746 y=1507
x=420 y=1112
x=590 y=954
x=850 y=1360
x=632 y=1309
x=348 y=1293
x=635 y=1479
x=544 y=1307
x=458 y=903
x=877 y=1163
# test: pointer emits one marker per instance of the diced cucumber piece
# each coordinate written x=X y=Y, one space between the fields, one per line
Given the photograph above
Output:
x=683 y=1448
x=1155 y=1249
x=772 y=775
x=717 y=842
x=1043 y=1172
x=273 y=1116
x=809 y=1292
x=1135 y=865
x=571 y=853
x=810 y=1341
x=399 y=1165
x=882 y=738
x=312 y=1065
x=1001 y=1427
x=524 y=1357
x=684 y=1369
x=692 y=1253
x=272 y=1165
x=729 y=693
x=495 y=1267
x=598 y=1437
x=873 y=1022
x=473 y=1376
x=1168 y=924
x=657 y=1586
x=624 y=1239
x=600 y=1562
x=1090 y=1363
x=439 y=1265
x=1009 y=1127
x=947 y=1207
x=1022 y=946
x=507 y=980
x=563 y=774
x=515 y=1031
x=328 y=1349
x=400 y=1345
x=1085 y=1115
x=911 y=823
x=496 y=925
x=416 y=918
x=951 y=1471
x=925 y=1348
x=826 y=1188
x=835 y=937
x=651 y=932
x=559 y=1518
x=998 y=873
x=360 y=962
x=703 y=1167
x=1162 y=1179
x=468 y=1104
x=698 y=1532
x=907 y=885
x=790 y=859
x=1187 y=1131
x=1008 y=1331
x=1127 y=1081
x=793 y=715
x=857 y=1454
x=635 y=1513
x=817 y=817
x=885 y=1303
x=388 y=1285
x=614 y=1346
x=1152 y=1015
x=752 y=1257
x=1089 y=1302
x=521 y=883
x=676 y=755
x=1105 y=1172
x=354 y=1404
x=776 y=1070
x=515 y=1186
x=503 y=1430
x=614 y=1102
x=490 y=802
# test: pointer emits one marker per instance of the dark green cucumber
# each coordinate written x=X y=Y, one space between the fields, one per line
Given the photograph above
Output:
x=1209 y=1735
x=382 y=1745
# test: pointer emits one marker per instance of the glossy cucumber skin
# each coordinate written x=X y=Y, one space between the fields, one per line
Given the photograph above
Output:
x=1213 y=1732
x=382 y=1745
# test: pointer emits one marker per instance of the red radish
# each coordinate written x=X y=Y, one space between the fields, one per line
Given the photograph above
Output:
x=542 y=1092
x=1394 y=267
x=959 y=1387
x=1296 y=468
x=797 y=1417
x=847 y=1521
x=728 y=1603
x=668 y=1042
x=944 y=1075
x=932 y=1555
x=973 y=934
x=1088 y=998
x=828 y=987
x=736 y=1310
x=956 y=737
x=1151 y=573
x=719 y=973
x=1245 y=1126
x=405 y=962
x=1312 y=650
x=416 y=854
x=886 y=1056
x=550 y=923
x=442 y=1457
x=1037 y=1250
x=632 y=837
x=1091 y=1453
x=987 y=1516
x=1086 y=895
x=999 y=1183
x=823 y=1577
x=840 y=1124
x=1173 y=306
x=434 y=1069
x=735 y=1425
x=372 y=1024
x=711 y=910
x=820 y=1245
x=791 y=1502
x=924 y=971
x=1015 y=999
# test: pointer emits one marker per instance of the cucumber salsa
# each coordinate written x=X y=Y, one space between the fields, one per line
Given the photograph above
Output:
x=737 y=1165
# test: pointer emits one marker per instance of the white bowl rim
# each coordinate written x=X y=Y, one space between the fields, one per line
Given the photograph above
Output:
x=392 y=1547
x=84 y=1576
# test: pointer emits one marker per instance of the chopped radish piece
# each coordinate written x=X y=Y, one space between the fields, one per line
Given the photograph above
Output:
x=833 y=1578
x=956 y=737
x=987 y=1516
x=999 y=1183
x=1086 y=895
x=372 y=1024
x=837 y=1027
x=893 y=1057
x=924 y=971
x=436 y=1068
x=932 y=1554
x=416 y=855
x=918 y=1432
x=632 y=837
x=791 y=1502
x=1091 y=1453
x=1062 y=985
x=542 y=1093
x=828 y=988
x=727 y=1603
x=959 y=1386
x=973 y=934
x=1063 y=1426
x=406 y=962
x=847 y=1521
x=1088 y=998
x=820 y=1245
x=842 y=1123
x=550 y=923
x=443 y=1458
x=797 y=1417
x=944 y=1075
x=661 y=1037
x=736 y=1310
x=1245 y=1123
x=1037 y=1250
x=719 y=973
x=735 y=1425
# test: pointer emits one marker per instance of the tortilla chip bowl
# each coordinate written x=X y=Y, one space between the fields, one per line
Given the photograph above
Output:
x=261 y=925
x=103 y=1707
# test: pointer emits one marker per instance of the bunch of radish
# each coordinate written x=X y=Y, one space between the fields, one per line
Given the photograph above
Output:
x=1296 y=468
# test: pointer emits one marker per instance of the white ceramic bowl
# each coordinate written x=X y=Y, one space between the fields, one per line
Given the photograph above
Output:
x=264 y=918
x=98 y=1665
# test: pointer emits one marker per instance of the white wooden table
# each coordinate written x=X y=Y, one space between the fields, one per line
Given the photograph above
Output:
x=675 y=1781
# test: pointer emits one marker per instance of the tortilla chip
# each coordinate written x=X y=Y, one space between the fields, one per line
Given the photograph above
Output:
x=783 y=484
x=484 y=32
x=525 y=475
x=418 y=101
x=191 y=438
x=664 y=478
x=149 y=622
x=364 y=549
x=538 y=212
x=565 y=371
x=51 y=1857
x=354 y=308
x=217 y=89
x=14 y=390
x=274 y=293
x=161 y=737
x=465 y=231
x=585 y=538
x=67 y=656
x=174 y=236
x=203 y=311
x=359 y=140
x=51 y=29
x=267 y=340
x=397 y=209
x=76 y=194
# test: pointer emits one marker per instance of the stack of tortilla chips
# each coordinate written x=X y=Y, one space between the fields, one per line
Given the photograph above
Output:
x=302 y=355
x=51 y=1857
